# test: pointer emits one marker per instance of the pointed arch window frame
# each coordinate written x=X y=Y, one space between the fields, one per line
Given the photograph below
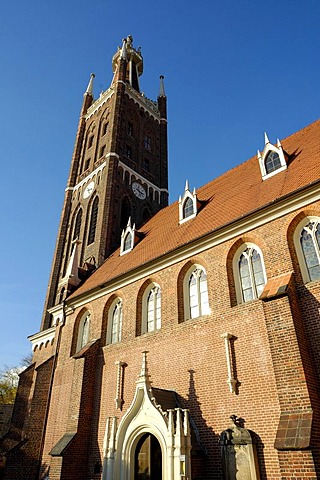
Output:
x=195 y=296
x=154 y=312
x=128 y=233
x=83 y=334
x=237 y=275
x=297 y=237
x=115 y=318
x=93 y=220
x=187 y=197
x=263 y=156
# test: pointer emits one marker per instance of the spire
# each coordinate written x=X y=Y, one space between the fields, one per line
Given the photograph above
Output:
x=89 y=90
x=123 y=54
x=162 y=92
x=266 y=139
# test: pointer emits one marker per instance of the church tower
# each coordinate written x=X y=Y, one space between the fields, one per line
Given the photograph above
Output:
x=118 y=171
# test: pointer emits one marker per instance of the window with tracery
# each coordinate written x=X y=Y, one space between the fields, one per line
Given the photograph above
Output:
x=272 y=162
x=127 y=242
x=188 y=208
x=251 y=274
x=310 y=246
x=115 y=319
x=153 y=309
x=83 y=331
x=77 y=225
x=198 y=300
x=93 y=221
x=105 y=128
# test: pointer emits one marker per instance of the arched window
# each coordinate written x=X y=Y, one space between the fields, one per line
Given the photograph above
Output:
x=127 y=242
x=74 y=234
x=77 y=225
x=309 y=239
x=127 y=238
x=115 y=322
x=93 y=221
x=188 y=204
x=272 y=162
x=188 y=208
x=104 y=128
x=196 y=300
x=151 y=309
x=83 y=331
x=249 y=273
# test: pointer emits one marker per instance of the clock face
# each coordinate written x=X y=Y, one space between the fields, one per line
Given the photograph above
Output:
x=138 y=190
x=88 y=190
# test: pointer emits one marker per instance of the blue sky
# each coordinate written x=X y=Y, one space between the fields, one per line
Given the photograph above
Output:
x=233 y=69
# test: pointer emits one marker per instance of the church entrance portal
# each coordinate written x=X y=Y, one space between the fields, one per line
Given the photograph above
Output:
x=148 y=459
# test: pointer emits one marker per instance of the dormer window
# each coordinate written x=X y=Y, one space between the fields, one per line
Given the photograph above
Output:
x=188 y=205
x=188 y=208
x=272 y=160
x=127 y=241
x=127 y=238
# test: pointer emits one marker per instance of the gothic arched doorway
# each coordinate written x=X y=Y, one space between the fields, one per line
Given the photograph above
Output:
x=148 y=459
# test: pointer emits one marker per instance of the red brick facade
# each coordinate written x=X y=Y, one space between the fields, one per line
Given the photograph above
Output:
x=67 y=397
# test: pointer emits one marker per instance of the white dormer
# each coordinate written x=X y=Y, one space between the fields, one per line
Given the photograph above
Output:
x=127 y=238
x=188 y=205
x=272 y=159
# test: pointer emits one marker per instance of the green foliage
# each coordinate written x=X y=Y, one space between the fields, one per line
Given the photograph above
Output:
x=9 y=379
x=7 y=393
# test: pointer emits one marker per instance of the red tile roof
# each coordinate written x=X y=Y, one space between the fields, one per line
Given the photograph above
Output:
x=225 y=199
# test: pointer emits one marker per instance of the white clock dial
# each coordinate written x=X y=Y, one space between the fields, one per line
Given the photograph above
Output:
x=88 y=190
x=138 y=190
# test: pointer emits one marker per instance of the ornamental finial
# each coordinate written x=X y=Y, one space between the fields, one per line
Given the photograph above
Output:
x=89 y=90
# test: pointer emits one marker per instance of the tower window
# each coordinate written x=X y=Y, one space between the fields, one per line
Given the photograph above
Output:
x=87 y=163
x=90 y=142
x=147 y=142
x=77 y=226
x=93 y=221
x=146 y=165
x=105 y=128
x=130 y=129
x=272 y=162
x=128 y=152
x=102 y=150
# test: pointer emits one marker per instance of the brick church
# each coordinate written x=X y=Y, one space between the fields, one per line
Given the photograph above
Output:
x=178 y=342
